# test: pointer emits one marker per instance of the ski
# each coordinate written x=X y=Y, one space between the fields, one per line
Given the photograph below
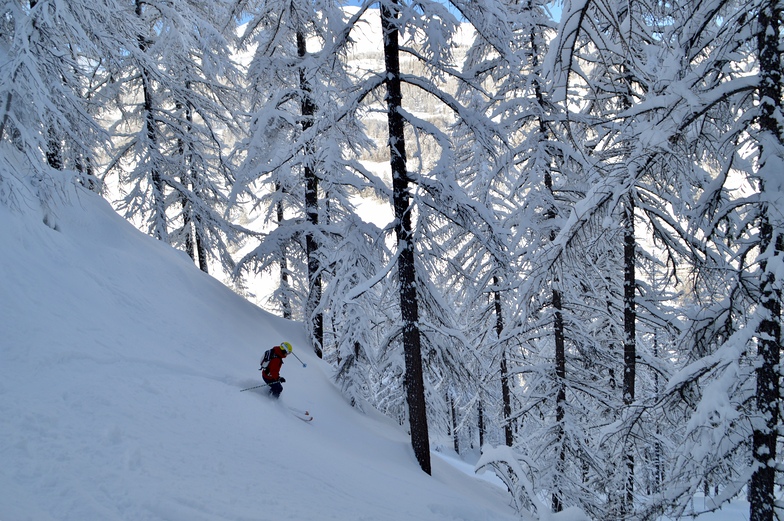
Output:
x=302 y=415
x=298 y=413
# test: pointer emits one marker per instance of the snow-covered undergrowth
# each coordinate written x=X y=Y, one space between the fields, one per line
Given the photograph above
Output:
x=121 y=366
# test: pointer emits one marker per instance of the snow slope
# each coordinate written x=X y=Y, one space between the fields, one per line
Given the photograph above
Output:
x=121 y=366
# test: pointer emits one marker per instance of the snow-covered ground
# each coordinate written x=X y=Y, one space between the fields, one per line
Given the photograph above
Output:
x=120 y=374
x=121 y=370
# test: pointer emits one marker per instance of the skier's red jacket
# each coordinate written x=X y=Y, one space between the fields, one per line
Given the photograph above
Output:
x=272 y=371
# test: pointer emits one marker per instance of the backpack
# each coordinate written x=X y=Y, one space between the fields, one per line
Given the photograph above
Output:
x=266 y=359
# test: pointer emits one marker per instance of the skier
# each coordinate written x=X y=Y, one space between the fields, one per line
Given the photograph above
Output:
x=270 y=367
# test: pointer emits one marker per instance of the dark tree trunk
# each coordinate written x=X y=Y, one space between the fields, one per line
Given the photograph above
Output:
x=187 y=185
x=630 y=336
x=409 y=304
x=84 y=165
x=481 y=424
x=6 y=112
x=455 y=438
x=560 y=398
x=54 y=150
x=560 y=364
x=284 y=265
x=629 y=306
x=187 y=220
x=505 y=393
x=158 y=187
x=194 y=240
x=762 y=488
x=658 y=448
x=201 y=249
x=308 y=110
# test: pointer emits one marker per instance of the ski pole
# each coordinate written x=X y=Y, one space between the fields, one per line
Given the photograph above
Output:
x=249 y=388
x=300 y=361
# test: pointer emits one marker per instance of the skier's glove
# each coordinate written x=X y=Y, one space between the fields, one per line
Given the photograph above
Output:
x=282 y=380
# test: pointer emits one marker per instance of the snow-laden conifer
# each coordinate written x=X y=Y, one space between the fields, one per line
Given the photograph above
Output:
x=56 y=59
x=174 y=87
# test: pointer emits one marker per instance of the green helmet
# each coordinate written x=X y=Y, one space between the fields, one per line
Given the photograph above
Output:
x=286 y=347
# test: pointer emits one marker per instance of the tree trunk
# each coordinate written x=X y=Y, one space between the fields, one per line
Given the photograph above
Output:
x=187 y=220
x=54 y=150
x=481 y=424
x=658 y=449
x=455 y=438
x=83 y=165
x=560 y=399
x=308 y=109
x=201 y=249
x=560 y=363
x=187 y=185
x=160 y=228
x=630 y=337
x=195 y=232
x=409 y=304
x=505 y=393
x=284 y=266
x=762 y=488
x=7 y=111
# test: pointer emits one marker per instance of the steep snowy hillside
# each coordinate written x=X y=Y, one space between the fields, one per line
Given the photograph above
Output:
x=121 y=366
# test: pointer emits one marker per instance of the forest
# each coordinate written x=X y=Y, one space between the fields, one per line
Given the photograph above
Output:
x=582 y=271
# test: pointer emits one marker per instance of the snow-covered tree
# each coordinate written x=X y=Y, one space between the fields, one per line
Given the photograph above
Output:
x=174 y=87
x=298 y=159
x=585 y=250
x=739 y=329
x=55 y=58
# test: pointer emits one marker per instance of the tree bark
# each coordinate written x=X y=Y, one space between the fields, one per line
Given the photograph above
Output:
x=409 y=303
x=455 y=437
x=762 y=487
x=308 y=110
x=481 y=423
x=284 y=265
x=54 y=150
x=158 y=188
x=630 y=337
x=560 y=398
x=186 y=180
x=559 y=335
x=505 y=393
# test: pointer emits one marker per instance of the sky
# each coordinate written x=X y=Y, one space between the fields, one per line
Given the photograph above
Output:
x=555 y=7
